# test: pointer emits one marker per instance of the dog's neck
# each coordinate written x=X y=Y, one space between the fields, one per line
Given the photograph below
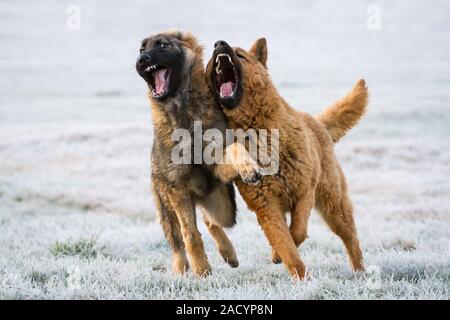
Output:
x=260 y=104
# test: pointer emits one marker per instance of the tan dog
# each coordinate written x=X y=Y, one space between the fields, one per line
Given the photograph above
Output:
x=309 y=174
x=171 y=64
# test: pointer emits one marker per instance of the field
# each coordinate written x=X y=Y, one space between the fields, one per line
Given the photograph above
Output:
x=76 y=215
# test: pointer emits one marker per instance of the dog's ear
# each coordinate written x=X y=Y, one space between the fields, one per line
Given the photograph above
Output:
x=191 y=40
x=259 y=50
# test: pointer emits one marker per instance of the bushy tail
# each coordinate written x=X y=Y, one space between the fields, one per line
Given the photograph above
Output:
x=345 y=113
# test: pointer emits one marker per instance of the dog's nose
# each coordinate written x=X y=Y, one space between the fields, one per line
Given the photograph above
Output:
x=220 y=44
x=143 y=58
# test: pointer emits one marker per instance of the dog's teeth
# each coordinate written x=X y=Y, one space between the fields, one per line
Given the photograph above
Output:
x=147 y=69
x=218 y=57
x=218 y=71
x=224 y=55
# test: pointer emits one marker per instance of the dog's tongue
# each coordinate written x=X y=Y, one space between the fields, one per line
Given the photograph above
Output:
x=160 y=80
x=226 y=89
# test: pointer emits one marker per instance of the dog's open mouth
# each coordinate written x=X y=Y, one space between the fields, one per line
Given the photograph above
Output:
x=226 y=77
x=159 y=79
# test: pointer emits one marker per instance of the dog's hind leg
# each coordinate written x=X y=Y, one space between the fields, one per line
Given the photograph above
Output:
x=185 y=210
x=171 y=228
x=223 y=243
x=336 y=209
x=219 y=210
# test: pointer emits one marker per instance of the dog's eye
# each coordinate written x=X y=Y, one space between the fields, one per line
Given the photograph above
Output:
x=160 y=44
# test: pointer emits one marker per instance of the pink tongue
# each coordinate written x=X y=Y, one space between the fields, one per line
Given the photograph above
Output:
x=160 y=81
x=226 y=89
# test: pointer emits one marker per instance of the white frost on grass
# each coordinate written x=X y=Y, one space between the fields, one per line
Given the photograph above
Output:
x=76 y=216
x=132 y=261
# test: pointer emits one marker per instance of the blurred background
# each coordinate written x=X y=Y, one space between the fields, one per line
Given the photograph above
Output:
x=76 y=130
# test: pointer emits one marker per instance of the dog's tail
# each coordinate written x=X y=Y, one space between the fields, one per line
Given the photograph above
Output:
x=345 y=113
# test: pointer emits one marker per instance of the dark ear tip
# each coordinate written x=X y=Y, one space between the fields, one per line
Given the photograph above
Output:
x=261 y=41
x=262 y=44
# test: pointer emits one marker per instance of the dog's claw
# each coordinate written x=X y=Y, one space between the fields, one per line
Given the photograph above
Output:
x=276 y=258
x=233 y=263
x=253 y=179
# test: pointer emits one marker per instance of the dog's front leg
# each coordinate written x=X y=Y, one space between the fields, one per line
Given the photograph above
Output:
x=277 y=232
x=185 y=210
x=238 y=162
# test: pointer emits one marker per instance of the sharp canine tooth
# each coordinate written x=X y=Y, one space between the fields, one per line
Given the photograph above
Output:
x=224 y=55
x=218 y=71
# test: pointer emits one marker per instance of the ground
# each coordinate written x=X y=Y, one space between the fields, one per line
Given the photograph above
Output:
x=76 y=215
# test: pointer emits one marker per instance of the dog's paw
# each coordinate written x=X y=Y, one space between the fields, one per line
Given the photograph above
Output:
x=202 y=271
x=276 y=259
x=251 y=175
x=228 y=254
x=180 y=264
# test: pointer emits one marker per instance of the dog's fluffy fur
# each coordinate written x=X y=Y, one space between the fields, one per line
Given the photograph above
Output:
x=309 y=173
x=345 y=113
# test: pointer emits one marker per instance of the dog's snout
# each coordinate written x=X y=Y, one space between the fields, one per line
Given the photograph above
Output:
x=220 y=44
x=143 y=58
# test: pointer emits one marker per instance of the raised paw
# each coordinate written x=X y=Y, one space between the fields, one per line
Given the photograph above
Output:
x=251 y=174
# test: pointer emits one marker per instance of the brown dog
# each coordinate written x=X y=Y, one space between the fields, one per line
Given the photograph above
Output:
x=309 y=174
x=171 y=63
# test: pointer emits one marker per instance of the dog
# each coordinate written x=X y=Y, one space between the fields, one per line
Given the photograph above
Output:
x=171 y=64
x=309 y=174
